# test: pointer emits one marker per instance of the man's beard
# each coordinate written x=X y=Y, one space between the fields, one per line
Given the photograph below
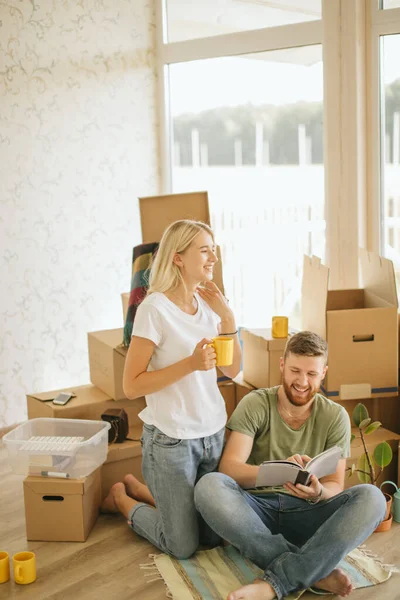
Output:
x=298 y=402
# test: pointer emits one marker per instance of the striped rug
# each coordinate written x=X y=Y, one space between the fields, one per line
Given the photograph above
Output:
x=212 y=574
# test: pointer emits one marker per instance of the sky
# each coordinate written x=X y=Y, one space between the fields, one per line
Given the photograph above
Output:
x=230 y=81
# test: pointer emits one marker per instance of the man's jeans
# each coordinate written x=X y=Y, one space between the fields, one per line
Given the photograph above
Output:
x=171 y=468
x=294 y=542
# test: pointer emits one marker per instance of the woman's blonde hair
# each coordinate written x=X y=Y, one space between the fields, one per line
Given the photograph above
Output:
x=165 y=274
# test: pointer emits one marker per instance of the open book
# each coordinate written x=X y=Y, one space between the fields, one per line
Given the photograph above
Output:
x=277 y=472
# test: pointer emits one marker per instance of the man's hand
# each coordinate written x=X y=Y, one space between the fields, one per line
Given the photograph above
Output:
x=305 y=492
x=300 y=459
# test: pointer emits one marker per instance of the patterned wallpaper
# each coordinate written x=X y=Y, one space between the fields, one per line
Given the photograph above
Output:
x=78 y=145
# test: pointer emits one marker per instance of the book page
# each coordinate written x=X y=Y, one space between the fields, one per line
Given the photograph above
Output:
x=277 y=473
x=325 y=463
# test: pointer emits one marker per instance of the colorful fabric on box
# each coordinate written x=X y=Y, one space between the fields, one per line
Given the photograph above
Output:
x=141 y=259
x=213 y=574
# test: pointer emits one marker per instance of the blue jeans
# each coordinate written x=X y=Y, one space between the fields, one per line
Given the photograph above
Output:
x=171 y=468
x=294 y=542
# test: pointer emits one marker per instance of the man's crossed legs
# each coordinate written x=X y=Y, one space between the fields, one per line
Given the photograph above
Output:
x=297 y=544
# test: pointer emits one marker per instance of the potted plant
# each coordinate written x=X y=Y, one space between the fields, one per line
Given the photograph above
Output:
x=369 y=466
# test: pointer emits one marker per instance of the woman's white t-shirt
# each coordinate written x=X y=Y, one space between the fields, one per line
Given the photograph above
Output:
x=192 y=407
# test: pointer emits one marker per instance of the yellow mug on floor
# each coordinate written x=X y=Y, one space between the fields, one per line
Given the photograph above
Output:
x=24 y=564
x=223 y=347
x=4 y=566
x=280 y=327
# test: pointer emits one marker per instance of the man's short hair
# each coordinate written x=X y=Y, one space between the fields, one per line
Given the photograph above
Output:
x=306 y=343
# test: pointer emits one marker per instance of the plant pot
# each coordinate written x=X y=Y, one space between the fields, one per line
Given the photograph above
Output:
x=389 y=500
x=387 y=521
x=385 y=525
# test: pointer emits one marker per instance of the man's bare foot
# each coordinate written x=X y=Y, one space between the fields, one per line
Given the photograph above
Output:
x=109 y=504
x=337 y=582
x=259 y=590
x=137 y=490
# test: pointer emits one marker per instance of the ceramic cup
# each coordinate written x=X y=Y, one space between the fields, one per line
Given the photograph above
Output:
x=24 y=565
x=4 y=566
x=223 y=347
x=280 y=327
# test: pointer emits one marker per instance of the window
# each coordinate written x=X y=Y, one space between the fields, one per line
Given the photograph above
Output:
x=248 y=129
x=390 y=149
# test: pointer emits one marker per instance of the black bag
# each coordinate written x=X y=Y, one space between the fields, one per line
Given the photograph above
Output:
x=119 y=424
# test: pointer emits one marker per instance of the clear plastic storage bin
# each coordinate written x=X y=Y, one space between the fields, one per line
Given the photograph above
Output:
x=57 y=447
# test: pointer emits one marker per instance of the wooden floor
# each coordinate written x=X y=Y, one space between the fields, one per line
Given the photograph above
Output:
x=107 y=565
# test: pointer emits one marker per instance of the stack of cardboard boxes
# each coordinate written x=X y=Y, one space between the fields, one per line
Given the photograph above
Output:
x=361 y=327
x=106 y=359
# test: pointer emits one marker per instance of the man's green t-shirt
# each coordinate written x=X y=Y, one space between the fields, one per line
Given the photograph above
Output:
x=257 y=416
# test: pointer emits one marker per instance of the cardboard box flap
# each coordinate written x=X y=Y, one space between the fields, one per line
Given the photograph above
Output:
x=53 y=486
x=263 y=339
x=128 y=449
x=378 y=276
x=157 y=212
x=85 y=394
x=314 y=295
x=63 y=486
x=47 y=396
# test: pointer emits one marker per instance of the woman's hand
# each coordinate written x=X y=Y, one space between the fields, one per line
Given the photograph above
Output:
x=211 y=294
x=204 y=357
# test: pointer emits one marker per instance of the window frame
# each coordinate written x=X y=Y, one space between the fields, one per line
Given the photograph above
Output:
x=380 y=22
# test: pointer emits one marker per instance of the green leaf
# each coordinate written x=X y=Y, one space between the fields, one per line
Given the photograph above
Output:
x=383 y=455
x=353 y=437
x=373 y=427
x=359 y=414
x=364 y=423
x=362 y=465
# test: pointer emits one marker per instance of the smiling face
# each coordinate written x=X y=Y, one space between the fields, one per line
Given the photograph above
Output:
x=302 y=377
x=197 y=261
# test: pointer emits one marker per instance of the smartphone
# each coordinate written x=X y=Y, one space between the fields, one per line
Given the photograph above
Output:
x=63 y=398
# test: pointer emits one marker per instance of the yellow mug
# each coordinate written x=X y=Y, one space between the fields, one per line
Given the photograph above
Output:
x=280 y=327
x=24 y=564
x=223 y=347
x=4 y=566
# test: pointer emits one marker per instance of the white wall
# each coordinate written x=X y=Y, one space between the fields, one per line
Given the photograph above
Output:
x=78 y=145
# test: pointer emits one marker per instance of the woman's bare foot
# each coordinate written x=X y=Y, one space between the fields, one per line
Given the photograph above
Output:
x=259 y=590
x=137 y=490
x=109 y=504
x=337 y=582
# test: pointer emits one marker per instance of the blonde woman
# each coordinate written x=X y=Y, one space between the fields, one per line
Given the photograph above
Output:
x=170 y=364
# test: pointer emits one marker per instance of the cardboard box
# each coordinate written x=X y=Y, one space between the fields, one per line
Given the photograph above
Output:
x=359 y=325
x=261 y=354
x=88 y=403
x=125 y=304
x=107 y=360
x=242 y=387
x=122 y=459
x=61 y=510
x=372 y=440
x=174 y=207
x=228 y=392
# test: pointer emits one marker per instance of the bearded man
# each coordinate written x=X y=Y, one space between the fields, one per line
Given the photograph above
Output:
x=297 y=534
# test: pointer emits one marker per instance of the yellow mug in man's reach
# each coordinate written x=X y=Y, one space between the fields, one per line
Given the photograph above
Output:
x=280 y=327
x=24 y=564
x=223 y=346
x=4 y=566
